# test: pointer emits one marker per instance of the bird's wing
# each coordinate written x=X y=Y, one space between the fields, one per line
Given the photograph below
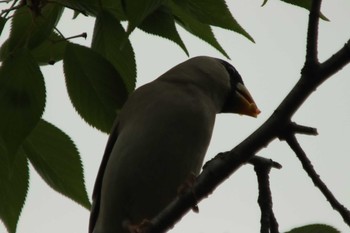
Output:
x=96 y=195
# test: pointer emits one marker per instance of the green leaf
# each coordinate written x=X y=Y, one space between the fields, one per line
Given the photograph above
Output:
x=161 y=22
x=50 y=51
x=115 y=7
x=306 y=4
x=192 y=25
x=95 y=88
x=212 y=12
x=138 y=10
x=4 y=50
x=2 y=24
x=109 y=40
x=314 y=228
x=29 y=29
x=14 y=181
x=93 y=7
x=76 y=14
x=22 y=98
x=57 y=160
x=85 y=7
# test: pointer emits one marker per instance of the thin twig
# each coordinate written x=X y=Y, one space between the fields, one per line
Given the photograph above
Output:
x=12 y=8
x=308 y=167
x=336 y=62
x=58 y=31
x=258 y=161
x=83 y=35
x=301 y=129
x=262 y=169
x=264 y=199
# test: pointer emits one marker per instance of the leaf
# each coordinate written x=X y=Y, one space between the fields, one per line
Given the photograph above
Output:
x=4 y=50
x=93 y=7
x=306 y=4
x=76 y=13
x=192 y=25
x=57 y=160
x=85 y=7
x=95 y=88
x=14 y=182
x=115 y=7
x=161 y=22
x=137 y=10
x=29 y=30
x=22 y=98
x=2 y=23
x=109 y=40
x=314 y=228
x=212 y=12
x=50 y=51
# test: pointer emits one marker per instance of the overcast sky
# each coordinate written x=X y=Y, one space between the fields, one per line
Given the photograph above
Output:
x=269 y=68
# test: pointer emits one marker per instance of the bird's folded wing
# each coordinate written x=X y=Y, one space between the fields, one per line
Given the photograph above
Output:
x=96 y=195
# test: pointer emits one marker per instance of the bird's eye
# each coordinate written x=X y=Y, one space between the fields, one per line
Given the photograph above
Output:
x=234 y=75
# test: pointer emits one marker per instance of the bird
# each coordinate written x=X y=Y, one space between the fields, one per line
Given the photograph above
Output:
x=160 y=137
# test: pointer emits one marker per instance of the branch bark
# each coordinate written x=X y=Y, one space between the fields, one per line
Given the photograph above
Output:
x=312 y=35
x=262 y=169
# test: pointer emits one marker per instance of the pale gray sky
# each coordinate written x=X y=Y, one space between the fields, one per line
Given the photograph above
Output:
x=269 y=68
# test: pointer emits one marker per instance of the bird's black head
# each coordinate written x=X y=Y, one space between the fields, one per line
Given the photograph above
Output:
x=239 y=100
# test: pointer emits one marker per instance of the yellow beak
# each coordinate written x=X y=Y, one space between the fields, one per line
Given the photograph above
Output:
x=245 y=102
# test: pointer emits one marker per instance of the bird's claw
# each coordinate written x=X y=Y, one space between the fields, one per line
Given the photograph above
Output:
x=138 y=228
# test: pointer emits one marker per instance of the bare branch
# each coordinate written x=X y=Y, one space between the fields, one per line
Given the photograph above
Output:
x=301 y=129
x=294 y=128
x=312 y=35
x=308 y=167
x=336 y=62
x=273 y=224
x=262 y=169
x=261 y=161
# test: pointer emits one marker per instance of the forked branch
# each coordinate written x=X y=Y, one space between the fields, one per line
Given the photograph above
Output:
x=308 y=167
x=225 y=164
x=262 y=169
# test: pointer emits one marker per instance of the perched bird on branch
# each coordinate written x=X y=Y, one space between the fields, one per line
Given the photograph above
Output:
x=160 y=138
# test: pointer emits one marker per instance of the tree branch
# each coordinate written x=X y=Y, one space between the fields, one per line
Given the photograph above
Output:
x=261 y=161
x=225 y=164
x=308 y=167
x=312 y=34
x=301 y=129
x=262 y=169
x=336 y=62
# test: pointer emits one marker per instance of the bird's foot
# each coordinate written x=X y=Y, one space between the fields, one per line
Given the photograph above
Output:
x=138 y=228
x=188 y=184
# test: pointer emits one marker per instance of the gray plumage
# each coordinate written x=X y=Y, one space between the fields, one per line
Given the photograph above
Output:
x=160 y=138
